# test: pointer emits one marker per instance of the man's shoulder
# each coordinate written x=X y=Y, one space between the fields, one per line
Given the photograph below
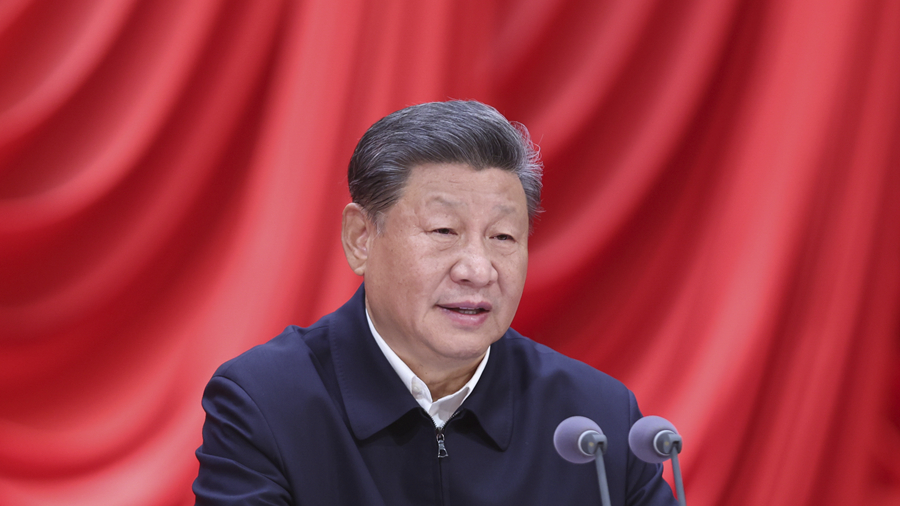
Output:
x=297 y=348
x=551 y=387
x=533 y=361
x=285 y=355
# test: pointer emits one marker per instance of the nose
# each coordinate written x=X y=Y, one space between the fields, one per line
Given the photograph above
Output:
x=474 y=266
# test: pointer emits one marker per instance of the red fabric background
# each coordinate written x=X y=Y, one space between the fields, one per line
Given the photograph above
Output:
x=722 y=229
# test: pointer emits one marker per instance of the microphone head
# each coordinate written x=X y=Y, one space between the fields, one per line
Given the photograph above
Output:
x=566 y=438
x=641 y=438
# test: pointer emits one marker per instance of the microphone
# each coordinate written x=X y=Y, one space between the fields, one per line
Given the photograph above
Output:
x=579 y=440
x=654 y=439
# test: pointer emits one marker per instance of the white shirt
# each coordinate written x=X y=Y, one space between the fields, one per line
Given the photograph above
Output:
x=440 y=410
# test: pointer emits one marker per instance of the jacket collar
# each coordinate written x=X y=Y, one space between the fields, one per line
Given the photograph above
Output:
x=493 y=399
x=374 y=397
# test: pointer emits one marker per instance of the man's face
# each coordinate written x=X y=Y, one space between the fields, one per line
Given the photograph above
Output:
x=445 y=274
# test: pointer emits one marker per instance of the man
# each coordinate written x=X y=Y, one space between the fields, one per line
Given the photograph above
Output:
x=416 y=391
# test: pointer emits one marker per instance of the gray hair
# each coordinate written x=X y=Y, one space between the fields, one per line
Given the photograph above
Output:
x=465 y=132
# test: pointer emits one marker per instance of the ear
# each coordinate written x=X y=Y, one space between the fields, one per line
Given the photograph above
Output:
x=356 y=230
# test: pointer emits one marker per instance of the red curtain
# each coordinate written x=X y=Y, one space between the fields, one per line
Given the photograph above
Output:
x=722 y=226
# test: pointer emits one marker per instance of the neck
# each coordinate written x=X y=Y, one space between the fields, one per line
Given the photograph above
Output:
x=444 y=382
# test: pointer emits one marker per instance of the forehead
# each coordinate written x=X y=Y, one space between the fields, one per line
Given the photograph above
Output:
x=458 y=186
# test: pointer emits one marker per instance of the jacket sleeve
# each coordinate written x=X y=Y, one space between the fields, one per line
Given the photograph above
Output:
x=239 y=458
x=646 y=486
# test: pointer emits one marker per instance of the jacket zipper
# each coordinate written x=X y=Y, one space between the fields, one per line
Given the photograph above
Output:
x=442 y=449
x=442 y=454
x=439 y=436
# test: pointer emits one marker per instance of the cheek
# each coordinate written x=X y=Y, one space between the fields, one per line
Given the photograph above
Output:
x=420 y=268
x=512 y=269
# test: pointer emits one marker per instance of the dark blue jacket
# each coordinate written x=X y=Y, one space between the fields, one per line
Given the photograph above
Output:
x=317 y=416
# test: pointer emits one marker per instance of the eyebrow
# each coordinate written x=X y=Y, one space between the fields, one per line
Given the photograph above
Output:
x=439 y=199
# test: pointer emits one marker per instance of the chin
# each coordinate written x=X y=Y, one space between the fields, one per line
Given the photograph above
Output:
x=467 y=348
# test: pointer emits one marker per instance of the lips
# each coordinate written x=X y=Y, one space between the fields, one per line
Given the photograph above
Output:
x=463 y=310
x=467 y=308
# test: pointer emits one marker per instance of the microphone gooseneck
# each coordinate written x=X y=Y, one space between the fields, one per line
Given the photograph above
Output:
x=580 y=440
x=654 y=439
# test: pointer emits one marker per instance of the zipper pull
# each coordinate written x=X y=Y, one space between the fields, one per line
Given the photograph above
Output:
x=442 y=450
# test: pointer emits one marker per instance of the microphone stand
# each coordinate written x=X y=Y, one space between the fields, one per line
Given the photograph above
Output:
x=668 y=440
x=601 y=475
x=593 y=443
x=676 y=470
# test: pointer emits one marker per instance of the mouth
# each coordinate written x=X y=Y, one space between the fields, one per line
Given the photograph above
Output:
x=467 y=309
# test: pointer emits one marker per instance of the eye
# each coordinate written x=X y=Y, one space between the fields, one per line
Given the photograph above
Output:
x=504 y=237
x=443 y=231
